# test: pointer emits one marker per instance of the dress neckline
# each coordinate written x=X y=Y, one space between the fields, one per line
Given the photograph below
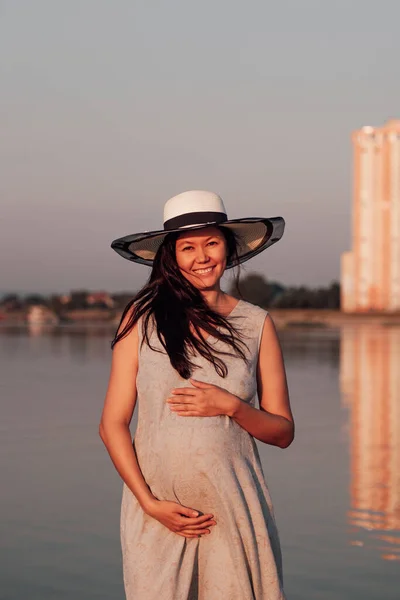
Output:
x=230 y=314
x=232 y=310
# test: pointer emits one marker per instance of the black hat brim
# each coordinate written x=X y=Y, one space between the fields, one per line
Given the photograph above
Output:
x=148 y=242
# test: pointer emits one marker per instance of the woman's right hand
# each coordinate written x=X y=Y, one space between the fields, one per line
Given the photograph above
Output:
x=180 y=519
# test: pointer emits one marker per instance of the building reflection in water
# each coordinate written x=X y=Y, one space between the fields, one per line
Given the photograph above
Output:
x=370 y=385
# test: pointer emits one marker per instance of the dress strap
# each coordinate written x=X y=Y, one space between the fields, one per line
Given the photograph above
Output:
x=263 y=316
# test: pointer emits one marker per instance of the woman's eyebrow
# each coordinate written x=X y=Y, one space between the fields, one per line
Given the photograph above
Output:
x=191 y=241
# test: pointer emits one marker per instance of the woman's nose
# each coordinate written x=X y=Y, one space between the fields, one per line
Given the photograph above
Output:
x=201 y=256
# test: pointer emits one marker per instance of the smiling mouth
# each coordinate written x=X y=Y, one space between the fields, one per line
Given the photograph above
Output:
x=203 y=271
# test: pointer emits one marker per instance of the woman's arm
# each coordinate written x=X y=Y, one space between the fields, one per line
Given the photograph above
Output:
x=273 y=422
x=117 y=414
x=114 y=431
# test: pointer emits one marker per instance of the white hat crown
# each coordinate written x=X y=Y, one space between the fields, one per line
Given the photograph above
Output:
x=194 y=201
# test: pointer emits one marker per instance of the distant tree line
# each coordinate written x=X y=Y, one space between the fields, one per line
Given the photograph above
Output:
x=75 y=300
x=254 y=288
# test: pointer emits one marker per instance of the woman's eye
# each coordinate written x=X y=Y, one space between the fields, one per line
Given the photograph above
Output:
x=187 y=248
x=212 y=243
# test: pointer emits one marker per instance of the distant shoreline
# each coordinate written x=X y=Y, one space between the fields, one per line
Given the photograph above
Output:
x=283 y=319
x=329 y=318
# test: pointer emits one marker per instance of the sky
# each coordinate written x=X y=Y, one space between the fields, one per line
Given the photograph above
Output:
x=108 y=108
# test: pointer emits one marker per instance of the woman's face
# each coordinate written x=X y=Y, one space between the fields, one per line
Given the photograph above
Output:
x=201 y=257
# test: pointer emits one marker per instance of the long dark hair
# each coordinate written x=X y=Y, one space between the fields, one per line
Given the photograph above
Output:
x=181 y=313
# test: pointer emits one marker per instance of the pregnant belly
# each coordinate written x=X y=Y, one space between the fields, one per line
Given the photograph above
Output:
x=192 y=462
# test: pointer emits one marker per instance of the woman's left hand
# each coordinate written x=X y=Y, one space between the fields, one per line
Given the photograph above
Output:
x=202 y=400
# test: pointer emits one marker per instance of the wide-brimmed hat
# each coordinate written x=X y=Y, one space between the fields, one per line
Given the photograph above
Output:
x=194 y=210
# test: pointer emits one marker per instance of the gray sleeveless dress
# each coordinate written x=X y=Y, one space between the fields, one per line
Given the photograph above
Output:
x=210 y=464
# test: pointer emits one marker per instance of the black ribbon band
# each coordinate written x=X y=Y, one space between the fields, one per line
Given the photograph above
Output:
x=195 y=218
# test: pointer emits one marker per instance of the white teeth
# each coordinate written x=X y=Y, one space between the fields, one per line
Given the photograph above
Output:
x=202 y=271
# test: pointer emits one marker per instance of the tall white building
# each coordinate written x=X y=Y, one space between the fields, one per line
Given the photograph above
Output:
x=370 y=273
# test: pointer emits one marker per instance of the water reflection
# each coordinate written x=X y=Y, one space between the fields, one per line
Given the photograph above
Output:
x=311 y=345
x=80 y=342
x=370 y=385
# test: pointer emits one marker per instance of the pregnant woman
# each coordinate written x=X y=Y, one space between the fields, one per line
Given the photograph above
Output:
x=197 y=521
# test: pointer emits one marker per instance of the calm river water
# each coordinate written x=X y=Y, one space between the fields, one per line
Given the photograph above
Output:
x=336 y=490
